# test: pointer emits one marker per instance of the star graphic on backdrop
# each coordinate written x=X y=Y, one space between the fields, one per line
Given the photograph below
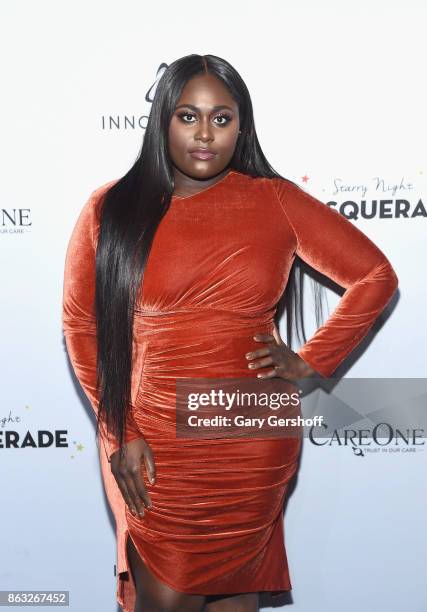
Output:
x=304 y=178
x=78 y=446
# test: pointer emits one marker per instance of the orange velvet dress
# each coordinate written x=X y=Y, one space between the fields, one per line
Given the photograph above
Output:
x=218 y=265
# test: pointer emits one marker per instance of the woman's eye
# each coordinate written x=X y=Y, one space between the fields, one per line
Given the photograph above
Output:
x=226 y=117
x=223 y=119
x=182 y=115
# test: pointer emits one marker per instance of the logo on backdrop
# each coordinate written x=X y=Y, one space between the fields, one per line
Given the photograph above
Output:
x=132 y=121
x=377 y=198
x=381 y=438
x=369 y=416
x=15 y=220
x=17 y=435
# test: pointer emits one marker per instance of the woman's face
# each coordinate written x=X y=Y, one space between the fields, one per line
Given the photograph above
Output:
x=206 y=117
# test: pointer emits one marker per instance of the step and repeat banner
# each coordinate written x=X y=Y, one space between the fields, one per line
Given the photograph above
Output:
x=339 y=101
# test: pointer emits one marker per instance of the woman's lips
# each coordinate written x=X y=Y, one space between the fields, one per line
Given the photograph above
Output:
x=202 y=154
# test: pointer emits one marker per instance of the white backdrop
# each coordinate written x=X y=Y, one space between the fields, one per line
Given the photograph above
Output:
x=339 y=97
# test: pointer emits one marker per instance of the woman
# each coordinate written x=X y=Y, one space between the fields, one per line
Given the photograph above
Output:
x=175 y=271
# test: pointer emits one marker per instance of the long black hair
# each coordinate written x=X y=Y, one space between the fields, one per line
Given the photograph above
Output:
x=130 y=213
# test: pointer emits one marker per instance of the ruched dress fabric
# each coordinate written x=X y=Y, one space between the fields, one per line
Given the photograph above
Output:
x=217 y=268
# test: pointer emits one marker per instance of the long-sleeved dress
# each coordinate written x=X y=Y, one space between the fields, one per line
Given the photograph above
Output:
x=218 y=265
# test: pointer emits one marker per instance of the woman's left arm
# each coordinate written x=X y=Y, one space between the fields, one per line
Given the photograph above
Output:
x=332 y=245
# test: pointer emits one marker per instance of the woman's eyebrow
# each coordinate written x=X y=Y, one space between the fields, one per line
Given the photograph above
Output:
x=195 y=108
